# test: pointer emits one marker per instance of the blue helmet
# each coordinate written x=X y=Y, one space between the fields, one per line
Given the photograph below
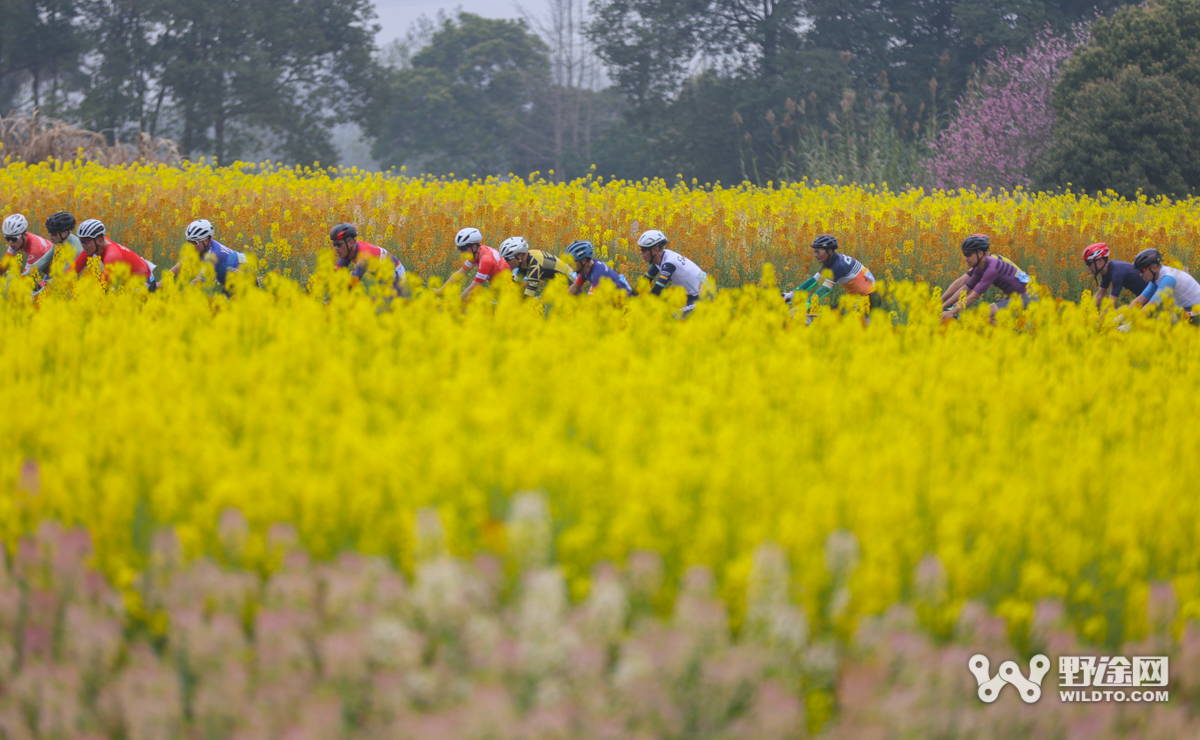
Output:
x=581 y=250
x=825 y=241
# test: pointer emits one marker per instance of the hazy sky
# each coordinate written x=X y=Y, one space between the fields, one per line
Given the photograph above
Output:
x=396 y=15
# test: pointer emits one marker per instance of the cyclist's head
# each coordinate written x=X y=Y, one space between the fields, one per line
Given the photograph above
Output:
x=91 y=236
x=468 y=240
x=1146 y=260
x=344 y=238
x=59 y=225
x=14 y=228
x=823 y=247
x=580 y=251
x=512 y=248
x=652 y=243
x=198 y=232
x=975 y=248
x=1093 y=254
x=976 y=243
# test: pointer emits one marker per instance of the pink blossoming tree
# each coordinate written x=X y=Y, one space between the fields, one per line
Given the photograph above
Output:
x=1004 y=126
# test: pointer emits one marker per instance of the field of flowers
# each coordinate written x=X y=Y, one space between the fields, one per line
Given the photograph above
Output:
x=283 y=215
x=817 y=477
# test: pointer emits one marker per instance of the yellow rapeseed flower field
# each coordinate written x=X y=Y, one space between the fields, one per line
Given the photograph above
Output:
x=1048 y=456
x=283 y=215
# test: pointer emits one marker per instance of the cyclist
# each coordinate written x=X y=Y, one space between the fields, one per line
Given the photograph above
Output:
x=92 y=235
x=592 y=271
x=1111 y=276
x=1163 y=281
x=484 y=260
x=955 y=292
x=58 y=228
x=986 y=271
x=667 y=268
x=199 y=234
x=533 y=267
x=844 y=270
x=352 y=251
x=23 y=243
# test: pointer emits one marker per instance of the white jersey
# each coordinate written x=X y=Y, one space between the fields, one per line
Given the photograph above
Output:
x=680 y=271
x=1185 y=291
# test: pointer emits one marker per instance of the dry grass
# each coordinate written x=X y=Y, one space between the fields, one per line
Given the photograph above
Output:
x=35 y=138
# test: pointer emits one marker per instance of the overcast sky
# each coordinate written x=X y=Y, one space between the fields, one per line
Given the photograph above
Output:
x=396 y=15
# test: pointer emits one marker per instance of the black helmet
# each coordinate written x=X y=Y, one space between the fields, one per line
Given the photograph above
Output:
x=825 y=241
x=1147 y=257
x=343 y=231
x=976 y=243
x=60 y=222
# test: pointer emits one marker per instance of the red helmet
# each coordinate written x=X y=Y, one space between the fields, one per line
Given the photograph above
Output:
x=1095 y=252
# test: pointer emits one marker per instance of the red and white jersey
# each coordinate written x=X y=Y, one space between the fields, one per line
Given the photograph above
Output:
x=34 y=249
x=489 y=266
x=114 y=253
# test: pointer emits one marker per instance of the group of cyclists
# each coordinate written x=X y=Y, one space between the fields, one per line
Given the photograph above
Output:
x=1147 y=278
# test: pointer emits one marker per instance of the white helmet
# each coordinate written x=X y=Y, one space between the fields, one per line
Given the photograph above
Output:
x=468 y=237
x=15 y=225
x=198 y=229
x=90 y=229
x=513 y=246
x=652 y=238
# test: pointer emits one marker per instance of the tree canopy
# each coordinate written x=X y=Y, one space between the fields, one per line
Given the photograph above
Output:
x=1129 y=105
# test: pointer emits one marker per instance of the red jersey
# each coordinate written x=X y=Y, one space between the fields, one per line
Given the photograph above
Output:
x=366 y=253
x=35 y=248
x=114 y=253
x=490 y=264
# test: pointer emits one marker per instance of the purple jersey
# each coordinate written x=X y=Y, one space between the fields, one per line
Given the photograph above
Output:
x=601 y=271
x=995 y=271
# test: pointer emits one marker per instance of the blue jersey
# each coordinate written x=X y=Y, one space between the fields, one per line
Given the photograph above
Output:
x=223 y=259
x=601 y=271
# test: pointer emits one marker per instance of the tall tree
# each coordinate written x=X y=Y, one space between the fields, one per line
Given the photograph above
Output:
x=649 y=45
x=1129 y=116
x=123 y=67
x=40 y=48
x=468 y=101
x=230 y=77
x=257 y=73
x=572 y=100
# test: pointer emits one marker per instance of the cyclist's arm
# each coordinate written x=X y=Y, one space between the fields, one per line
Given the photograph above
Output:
x=4 y=260
x=651 y=273
x=1166 y=286
x=42 y=264
x=475 y=281
x=817 y=286
x=1149 y=294
x=971 y=298
x=663 y=278
x=951 y=295
x=576 y=285
x=462 y=271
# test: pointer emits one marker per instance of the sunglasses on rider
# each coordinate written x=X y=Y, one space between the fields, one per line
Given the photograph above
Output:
x=11 y=239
